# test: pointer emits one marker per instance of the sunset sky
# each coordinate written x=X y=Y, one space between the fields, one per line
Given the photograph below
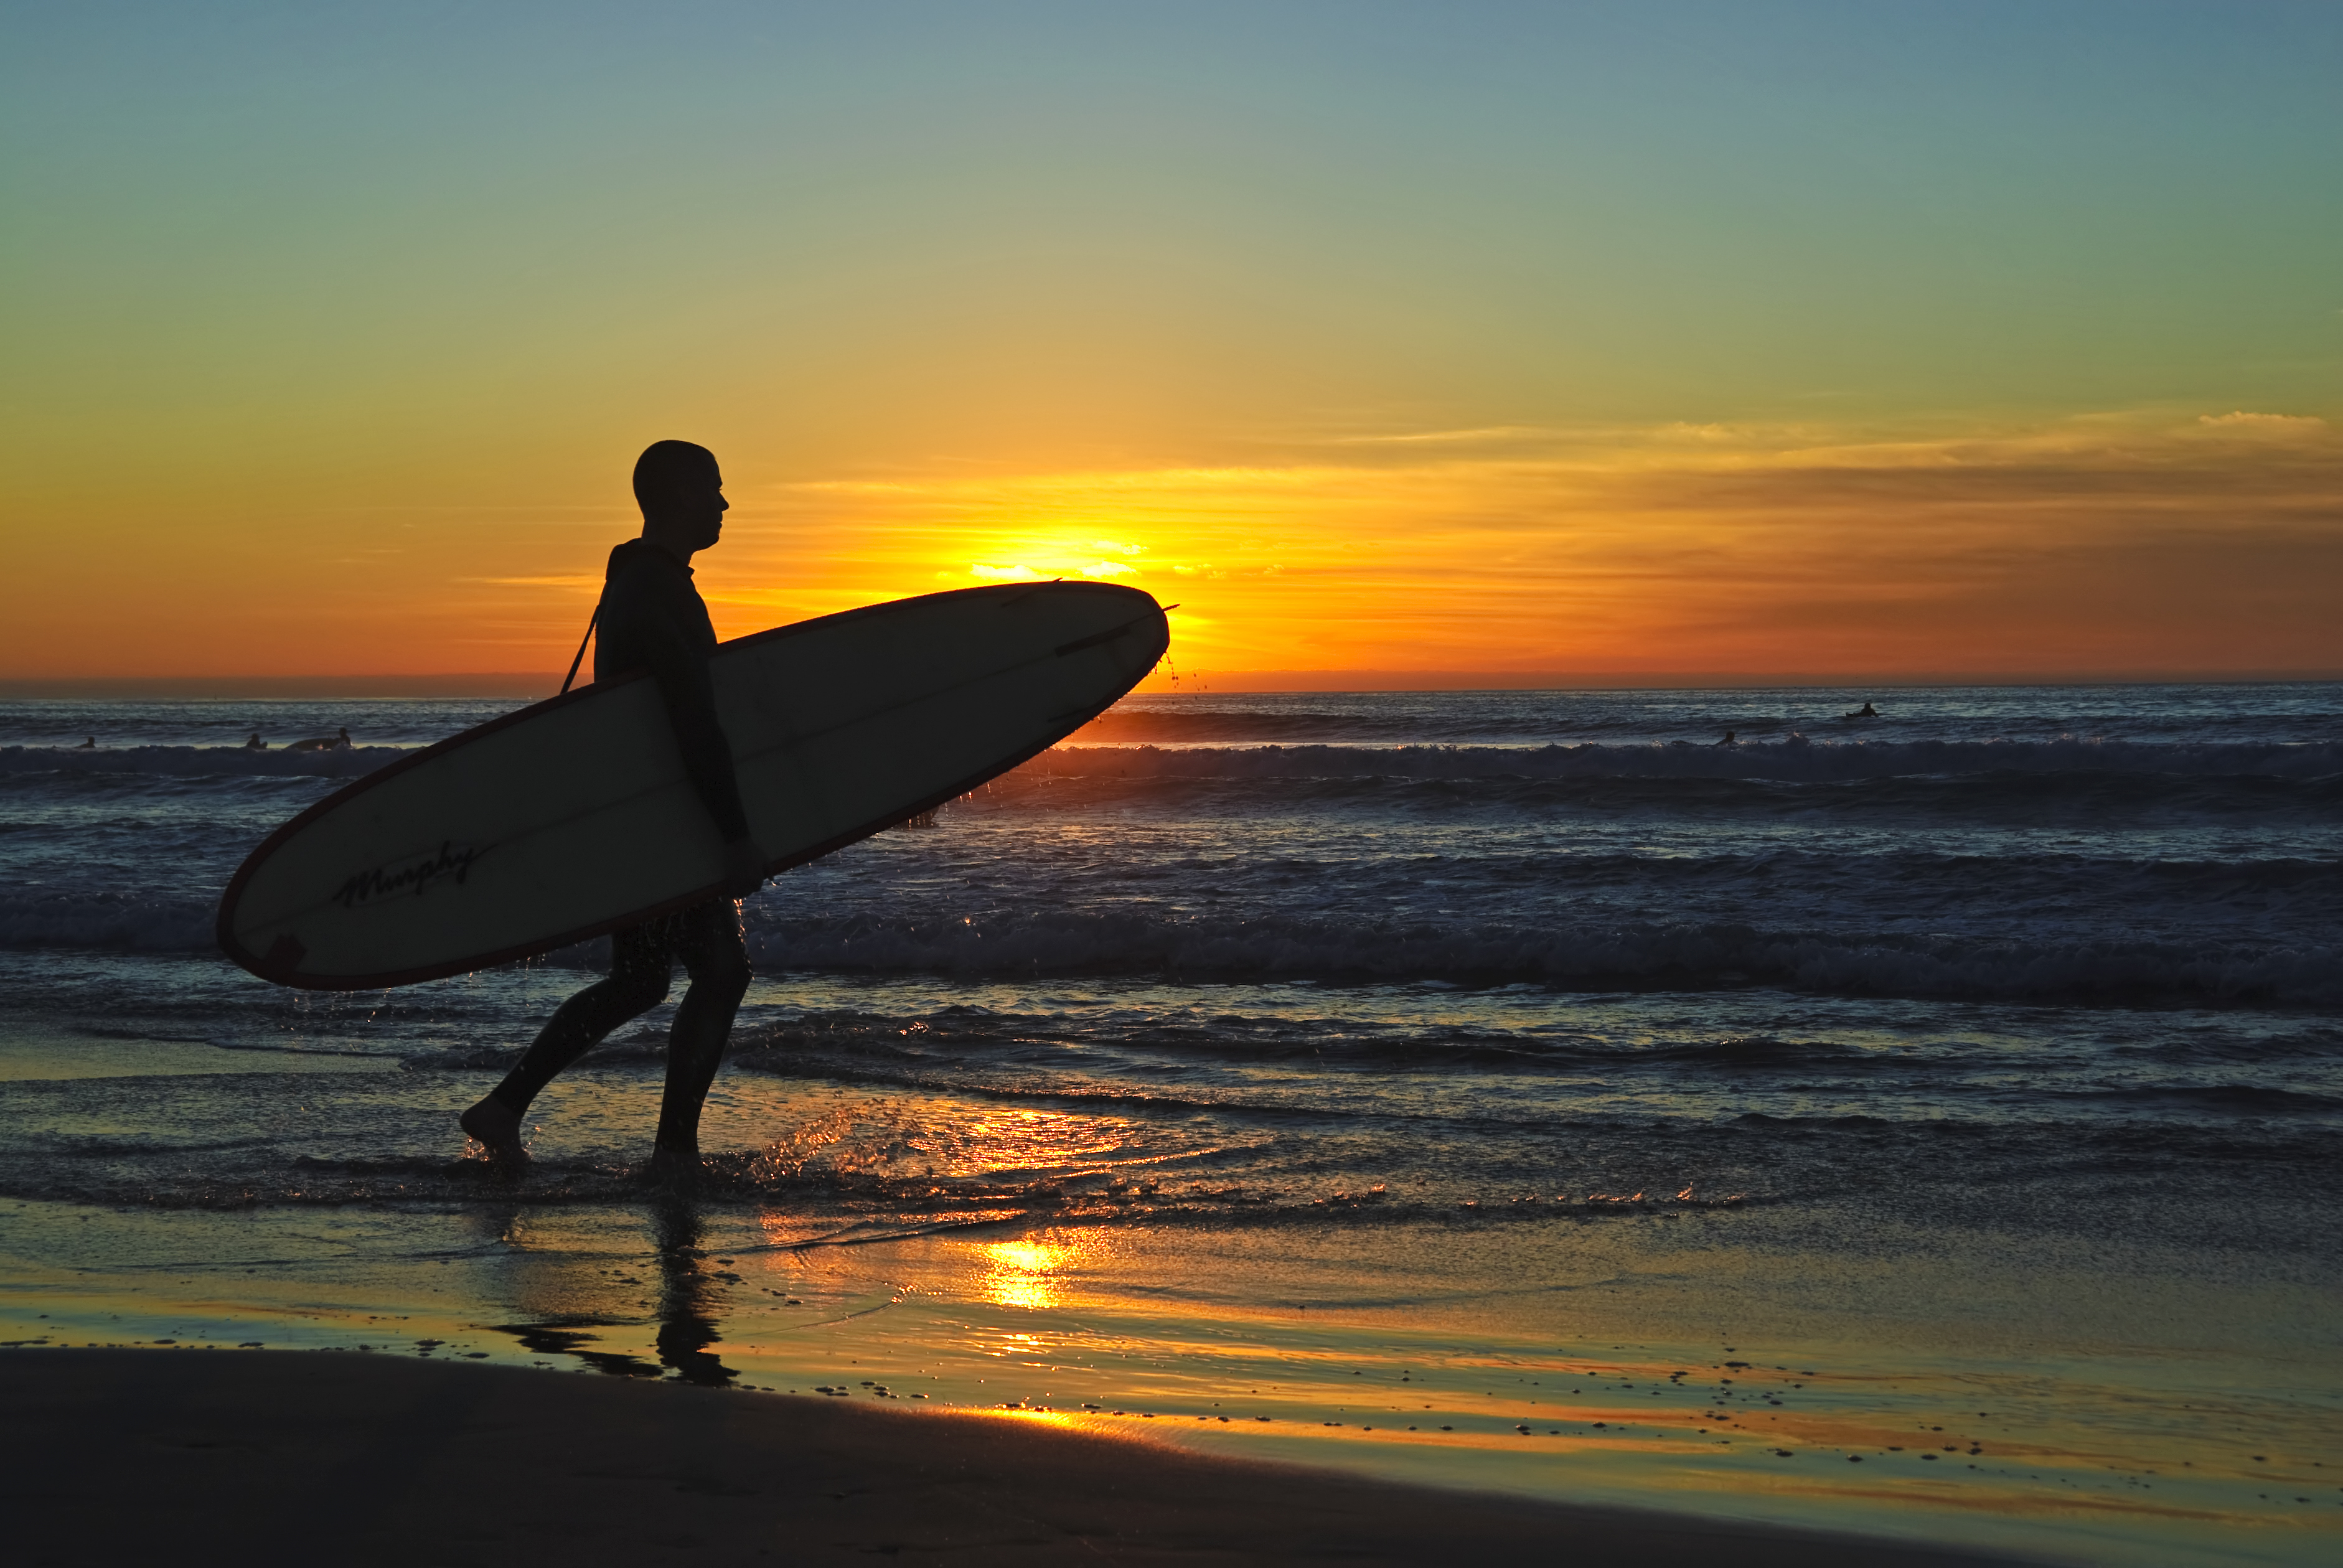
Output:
x=1397 y=344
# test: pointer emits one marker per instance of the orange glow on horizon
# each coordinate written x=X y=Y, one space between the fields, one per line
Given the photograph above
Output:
x=2142 y=542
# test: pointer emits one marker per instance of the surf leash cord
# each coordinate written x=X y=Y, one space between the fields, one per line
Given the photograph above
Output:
x=581 y=648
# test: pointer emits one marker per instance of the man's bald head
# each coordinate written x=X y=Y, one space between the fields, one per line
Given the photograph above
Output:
x=669 y=470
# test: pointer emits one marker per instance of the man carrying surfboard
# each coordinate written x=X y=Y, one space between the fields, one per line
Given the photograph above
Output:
x=651 y=618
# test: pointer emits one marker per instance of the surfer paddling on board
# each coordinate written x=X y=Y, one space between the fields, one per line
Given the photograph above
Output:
x=652 y=618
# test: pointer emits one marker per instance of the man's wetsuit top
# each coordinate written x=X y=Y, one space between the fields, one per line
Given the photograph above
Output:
x=652 y=618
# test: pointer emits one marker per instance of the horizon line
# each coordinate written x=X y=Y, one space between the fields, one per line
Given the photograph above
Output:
x=536 y=685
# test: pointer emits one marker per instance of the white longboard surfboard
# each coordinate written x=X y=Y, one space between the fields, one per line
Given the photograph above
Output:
x=573 y=816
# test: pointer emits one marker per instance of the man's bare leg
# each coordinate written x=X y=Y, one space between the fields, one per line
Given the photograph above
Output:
x=638 y=983
x=695 y=1049
x=718 y=961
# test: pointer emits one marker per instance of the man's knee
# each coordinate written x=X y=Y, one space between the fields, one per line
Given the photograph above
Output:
x=724 y=973
x=638 y=990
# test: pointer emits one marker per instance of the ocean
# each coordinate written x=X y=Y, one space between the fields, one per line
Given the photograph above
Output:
x=1929 y=1124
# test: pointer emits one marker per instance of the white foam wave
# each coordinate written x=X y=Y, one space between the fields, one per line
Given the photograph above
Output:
x=1794 y=759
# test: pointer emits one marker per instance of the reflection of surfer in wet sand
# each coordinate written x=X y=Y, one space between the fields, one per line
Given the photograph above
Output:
x=687 y=1303
x=336 y=742
x=1865 y=711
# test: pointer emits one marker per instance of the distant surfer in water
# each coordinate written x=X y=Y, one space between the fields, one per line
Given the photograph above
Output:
x=652 y=618
x=254 y=743
x=337 y=742
x=1865 y=711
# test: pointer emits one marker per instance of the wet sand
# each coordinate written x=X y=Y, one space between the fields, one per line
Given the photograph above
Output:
x=257 y=1457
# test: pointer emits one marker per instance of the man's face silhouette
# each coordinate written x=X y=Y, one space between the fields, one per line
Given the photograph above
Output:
x=701 y=509
x=690 y=516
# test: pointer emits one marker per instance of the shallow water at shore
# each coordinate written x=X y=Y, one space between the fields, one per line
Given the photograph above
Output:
x=2038 y=1368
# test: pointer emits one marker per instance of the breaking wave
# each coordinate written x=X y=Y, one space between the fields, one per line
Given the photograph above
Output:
x=198 y=761
x=1794 y=759
x=1056 y=941
x=113 y=922
x=1684 y=954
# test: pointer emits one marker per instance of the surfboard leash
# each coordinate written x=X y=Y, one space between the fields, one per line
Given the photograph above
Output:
x=581 y=650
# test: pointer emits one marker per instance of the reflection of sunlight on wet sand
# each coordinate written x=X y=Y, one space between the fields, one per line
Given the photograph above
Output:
x=1150 y=1335
x=1059 y=1419
x=1024 y=1273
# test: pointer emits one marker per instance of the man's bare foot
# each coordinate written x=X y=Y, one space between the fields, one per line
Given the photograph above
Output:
x=495 y=1126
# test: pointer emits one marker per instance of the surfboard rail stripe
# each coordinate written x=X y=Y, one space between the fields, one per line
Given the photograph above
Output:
x=1095 y=638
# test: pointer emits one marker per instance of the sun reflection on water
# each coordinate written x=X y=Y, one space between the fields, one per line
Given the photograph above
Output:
x=1029 y=1143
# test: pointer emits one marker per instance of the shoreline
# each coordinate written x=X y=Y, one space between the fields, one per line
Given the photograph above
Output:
x=253 y=1456
x=1935 y=1427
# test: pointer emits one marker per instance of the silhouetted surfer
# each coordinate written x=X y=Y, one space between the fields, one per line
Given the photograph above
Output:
x=336 y=742
x=651 y=618
x=89 y=743
x=254 y=743
x=1865 y=711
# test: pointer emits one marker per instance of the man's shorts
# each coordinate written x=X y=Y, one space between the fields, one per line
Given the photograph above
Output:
x=693 y=937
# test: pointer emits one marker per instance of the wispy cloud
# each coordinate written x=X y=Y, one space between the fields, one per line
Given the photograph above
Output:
x=2270 y=423
x=1484 y=435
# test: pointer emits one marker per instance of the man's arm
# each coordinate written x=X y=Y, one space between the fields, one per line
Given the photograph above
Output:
x=688 y=695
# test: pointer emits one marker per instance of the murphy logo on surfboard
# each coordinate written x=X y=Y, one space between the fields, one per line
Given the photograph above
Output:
x=383 y=882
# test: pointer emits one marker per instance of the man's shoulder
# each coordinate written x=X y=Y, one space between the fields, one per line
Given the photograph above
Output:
x=633 y=556
x=639 y=567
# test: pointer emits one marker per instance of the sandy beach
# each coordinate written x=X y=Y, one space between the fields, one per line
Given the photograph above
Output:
x=118 y=1456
